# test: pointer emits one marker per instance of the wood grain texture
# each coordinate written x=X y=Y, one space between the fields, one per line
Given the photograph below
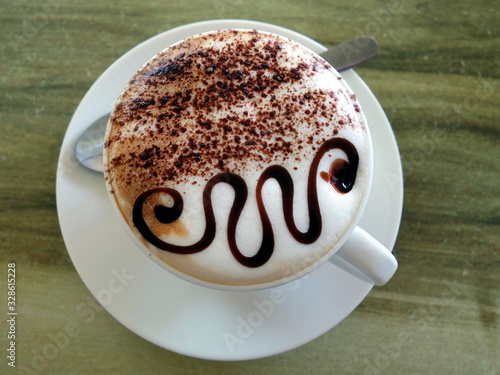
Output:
x=437 y=77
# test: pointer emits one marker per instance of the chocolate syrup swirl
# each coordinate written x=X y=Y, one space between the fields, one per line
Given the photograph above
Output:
x=341 y=175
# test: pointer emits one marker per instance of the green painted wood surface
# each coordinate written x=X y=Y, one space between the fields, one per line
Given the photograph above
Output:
x=437 y=77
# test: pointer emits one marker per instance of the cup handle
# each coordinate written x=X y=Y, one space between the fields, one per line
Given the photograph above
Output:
x=366 y=258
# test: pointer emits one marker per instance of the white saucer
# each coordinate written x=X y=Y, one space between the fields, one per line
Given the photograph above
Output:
x=190 y=319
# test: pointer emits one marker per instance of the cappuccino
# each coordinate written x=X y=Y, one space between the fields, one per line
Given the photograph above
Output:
x=238 y=157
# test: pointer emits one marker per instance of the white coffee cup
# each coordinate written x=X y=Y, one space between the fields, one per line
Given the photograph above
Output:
x=354 y=249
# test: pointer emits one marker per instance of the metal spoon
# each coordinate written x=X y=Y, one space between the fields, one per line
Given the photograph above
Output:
x=89 y=146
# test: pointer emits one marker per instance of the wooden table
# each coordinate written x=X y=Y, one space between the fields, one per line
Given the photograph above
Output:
x=436 y=76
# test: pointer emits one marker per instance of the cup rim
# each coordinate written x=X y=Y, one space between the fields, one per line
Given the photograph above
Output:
x=273 y=283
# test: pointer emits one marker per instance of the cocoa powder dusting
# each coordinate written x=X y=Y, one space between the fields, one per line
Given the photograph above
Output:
x=201 y=108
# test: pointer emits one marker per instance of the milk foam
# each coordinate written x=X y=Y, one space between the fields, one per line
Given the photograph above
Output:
x=266 y=101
